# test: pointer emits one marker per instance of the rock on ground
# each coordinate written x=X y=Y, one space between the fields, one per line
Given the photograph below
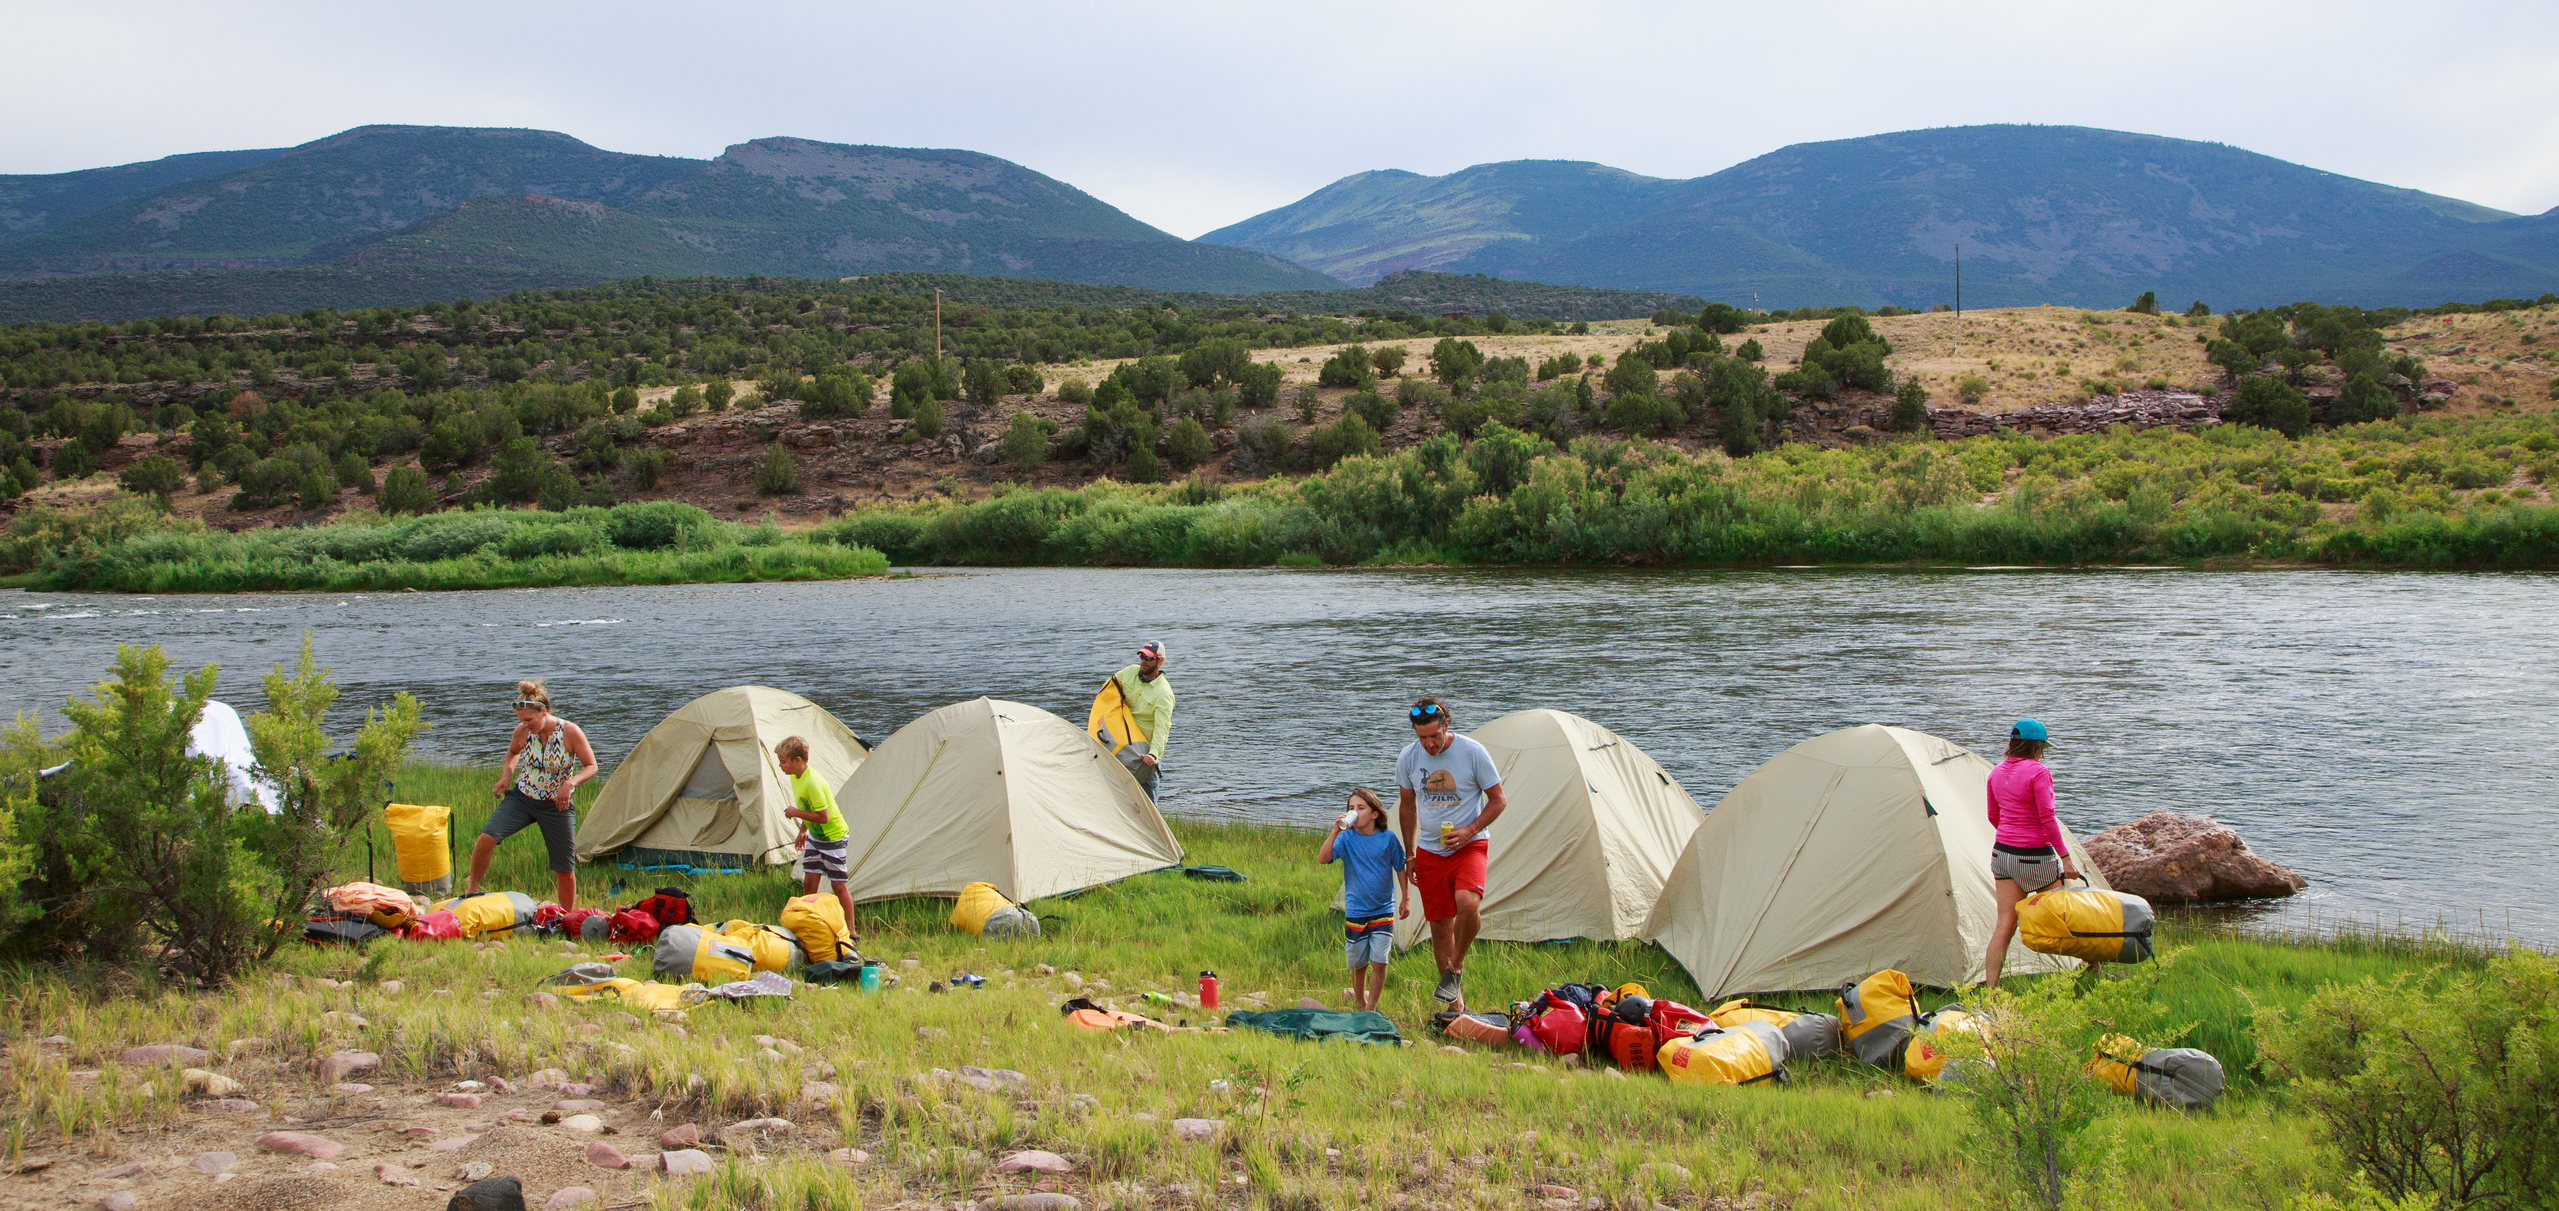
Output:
x=164 y=1053
x=297 y=1143
x=1196 y=1128
x=491 y=1194
x=341 y=1065
x=681 y=1137
x=572 y=1196
x=684 y=1162
x=2172 y=858
x=1034 y=1161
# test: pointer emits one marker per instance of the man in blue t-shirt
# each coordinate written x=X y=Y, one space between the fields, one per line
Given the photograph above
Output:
x=1370 y=858
x=1451 y=794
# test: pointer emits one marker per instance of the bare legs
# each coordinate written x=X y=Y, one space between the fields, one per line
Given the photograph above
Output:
x=567 y=880
x=2006 y=928
x=480 y=851
x=1453 y=935
x=1367 y=984
x=843 y=895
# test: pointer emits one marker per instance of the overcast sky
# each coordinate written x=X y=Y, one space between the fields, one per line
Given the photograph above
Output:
x=1192 y=116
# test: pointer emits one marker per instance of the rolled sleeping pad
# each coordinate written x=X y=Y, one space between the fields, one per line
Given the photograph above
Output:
x=1749 y=1054
x=2086 y=923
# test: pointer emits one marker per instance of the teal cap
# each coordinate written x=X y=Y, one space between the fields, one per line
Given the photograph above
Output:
x=2028 y=729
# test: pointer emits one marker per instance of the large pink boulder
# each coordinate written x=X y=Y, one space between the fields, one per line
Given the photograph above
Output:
x=2171 y=858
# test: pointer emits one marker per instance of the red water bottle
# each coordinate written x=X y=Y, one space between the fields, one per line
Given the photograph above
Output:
x=1208 y=990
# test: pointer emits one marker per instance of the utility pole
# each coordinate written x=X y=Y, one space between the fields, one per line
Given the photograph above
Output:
x=937 y=317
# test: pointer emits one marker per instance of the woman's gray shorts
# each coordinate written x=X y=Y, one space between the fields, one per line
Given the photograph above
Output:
x=2029 y=871
x=559 y=828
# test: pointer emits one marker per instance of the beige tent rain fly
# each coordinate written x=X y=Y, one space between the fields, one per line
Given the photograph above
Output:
x=702 y=789
x=1002 y=793
x=1863 y=849
x=1591 y=828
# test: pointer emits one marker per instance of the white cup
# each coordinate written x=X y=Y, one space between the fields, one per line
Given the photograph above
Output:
x=1350 y=819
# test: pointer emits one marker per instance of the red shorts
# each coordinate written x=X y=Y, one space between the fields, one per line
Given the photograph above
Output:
x=1440 y=879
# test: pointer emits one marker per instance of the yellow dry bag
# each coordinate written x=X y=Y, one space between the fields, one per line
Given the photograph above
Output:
x=690 y=952
x=419 y=833
x=817 y=920
x=1744 y=1055
x=497 y=914
x=2178 y=1077
x=1926 y=1057
x=1876 y=1017
x=773 y=947
x=1809 y=1036
x=2086 y=923
x=1111 y=724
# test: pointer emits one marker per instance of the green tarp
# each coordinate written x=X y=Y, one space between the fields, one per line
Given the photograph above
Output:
x=1366 y=1026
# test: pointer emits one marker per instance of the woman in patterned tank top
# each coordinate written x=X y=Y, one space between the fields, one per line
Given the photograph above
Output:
x=545 y=760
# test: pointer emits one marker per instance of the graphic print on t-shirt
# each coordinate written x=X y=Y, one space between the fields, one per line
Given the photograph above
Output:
x=1441 y=782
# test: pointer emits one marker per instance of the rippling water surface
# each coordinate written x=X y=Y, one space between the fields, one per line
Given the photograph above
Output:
x=2387 y=735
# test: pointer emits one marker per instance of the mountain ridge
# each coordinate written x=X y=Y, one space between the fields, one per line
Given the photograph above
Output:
x=2044 y=214
x=780 y=206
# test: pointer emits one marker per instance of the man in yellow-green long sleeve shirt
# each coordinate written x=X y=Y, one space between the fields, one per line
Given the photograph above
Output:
x=1150 y=702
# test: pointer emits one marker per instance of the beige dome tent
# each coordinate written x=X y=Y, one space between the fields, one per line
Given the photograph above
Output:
x=997 y=792
x=702 y=790
x=1590 y=829
x=1859 y=850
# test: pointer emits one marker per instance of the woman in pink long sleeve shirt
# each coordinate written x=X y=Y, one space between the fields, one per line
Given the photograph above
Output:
x=2027 y=854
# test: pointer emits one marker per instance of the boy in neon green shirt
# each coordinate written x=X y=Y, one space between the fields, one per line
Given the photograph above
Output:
x=822 y=836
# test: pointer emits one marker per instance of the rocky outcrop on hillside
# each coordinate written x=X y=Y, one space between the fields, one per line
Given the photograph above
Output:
x=2138 y=409
x=2173 y=858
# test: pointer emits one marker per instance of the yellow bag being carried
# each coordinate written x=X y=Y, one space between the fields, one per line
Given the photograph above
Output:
x=817 y=920
x=1809 y=1036
x=2086 y=923
x=690 y=952
x=419 y=833
x=1926 y=1057
x=497 y=914
x=773 y=947
x=2178 y=1077
x=984 y=911
x=1877 y=1016
x=1744 y=1055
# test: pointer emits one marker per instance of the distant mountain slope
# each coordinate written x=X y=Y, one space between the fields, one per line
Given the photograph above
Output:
x=2044 y=214
x=29 y=204
x=394 y=196
x=1371 y=224
x=345 y=188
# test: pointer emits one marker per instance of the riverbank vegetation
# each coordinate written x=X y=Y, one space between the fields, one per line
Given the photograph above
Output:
x=655 y=542
x=2319 y=1103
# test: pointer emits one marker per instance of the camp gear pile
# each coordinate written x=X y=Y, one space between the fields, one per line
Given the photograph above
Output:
x=2090 y=924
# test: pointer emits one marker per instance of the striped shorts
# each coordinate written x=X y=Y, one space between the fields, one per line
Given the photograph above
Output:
x=825 y=859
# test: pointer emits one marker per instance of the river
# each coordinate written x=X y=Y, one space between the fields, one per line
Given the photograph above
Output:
x=2388 y=735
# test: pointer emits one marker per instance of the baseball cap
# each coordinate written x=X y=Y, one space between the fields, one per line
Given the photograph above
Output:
x=2028 y=729
x=1153 y=648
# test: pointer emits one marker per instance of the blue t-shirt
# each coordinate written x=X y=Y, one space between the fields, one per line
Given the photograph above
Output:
x=1369 y=864
x=1448 y=788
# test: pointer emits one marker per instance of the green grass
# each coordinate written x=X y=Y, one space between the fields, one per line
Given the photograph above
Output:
x=1481 y=1126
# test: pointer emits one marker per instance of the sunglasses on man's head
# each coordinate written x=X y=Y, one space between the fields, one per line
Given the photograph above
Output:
x=1424 y=714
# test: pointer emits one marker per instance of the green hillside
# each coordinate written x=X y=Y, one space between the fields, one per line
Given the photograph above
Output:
x=30 y=204
x=2044 y=214
x=305 y=205
x=392 y=198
